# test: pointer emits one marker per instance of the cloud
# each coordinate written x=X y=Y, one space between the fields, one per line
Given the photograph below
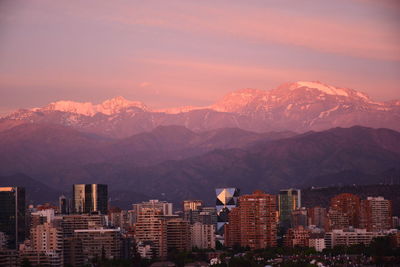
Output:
x=144 y=84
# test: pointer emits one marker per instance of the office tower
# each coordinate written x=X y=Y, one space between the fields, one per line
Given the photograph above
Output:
x=344 y=211
x=90 y=198
x=254 y=222
x=63 y=205
x=178 y=235
x=203 y=235
x=150 y=229
x=298 y=236
x=376 y=214
x=226 y=201
x=98 y=243
x=192 y=205
x=164 y=207
x=299 y=218
x=317 y=217
x=289 y=200
x=12 y=215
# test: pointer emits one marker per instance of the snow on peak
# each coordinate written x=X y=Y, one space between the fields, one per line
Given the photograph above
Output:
x=327 y=89
x=236 y=100
x=108 y=107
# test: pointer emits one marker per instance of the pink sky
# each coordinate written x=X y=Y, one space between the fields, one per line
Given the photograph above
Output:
x=172 y=53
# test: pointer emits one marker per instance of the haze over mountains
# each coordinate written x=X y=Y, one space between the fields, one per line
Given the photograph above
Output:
x=298 y=107
x=252 y=139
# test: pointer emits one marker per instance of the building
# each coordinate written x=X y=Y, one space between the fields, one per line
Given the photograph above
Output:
x=298 y=236
x=318 y=243
x=164 y=207
x=150 y=229
x=100 y=243
x=12 y=215
x=203 y=236
x=288 y=201
x=317 y=217
x=73 y=251
x=344 y=211
x=350 y=237
x=41 y=258
x=70 y=223
x=299 y=218
x=192 y=205
x=46 y=237
x=376 y=214
x=63 y=205
x=254 y=223
x=178 y=235
x=227 y=199
x=90 y=198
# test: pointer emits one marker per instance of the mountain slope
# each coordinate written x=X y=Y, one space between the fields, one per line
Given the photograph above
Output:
x=299 y=107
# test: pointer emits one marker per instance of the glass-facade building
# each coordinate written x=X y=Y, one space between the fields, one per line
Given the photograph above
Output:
x=227 y=199
x=12 y=215
x=289 y=200
x=90 y=198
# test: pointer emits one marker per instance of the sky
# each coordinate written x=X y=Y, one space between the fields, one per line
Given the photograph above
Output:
x=176 y=53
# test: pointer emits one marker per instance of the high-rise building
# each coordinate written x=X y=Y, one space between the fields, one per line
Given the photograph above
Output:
x=288 y=201
x=45 y=237
x=178 y=235
x=100 y=243
x=344 y=211
x=150 y=229
x=298 y=236
x=192 y=205
x=203 y=235
x=256 y=217
x=376 y=214
x=317 y=217
x=90 y=198
x=12 y=215
x=70 y=223
x=63 y=205
x=299 y=218
x=164 y=207
x=226 y=201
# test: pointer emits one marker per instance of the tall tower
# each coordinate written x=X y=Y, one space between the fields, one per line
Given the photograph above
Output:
x=227 y=199
x=12 y=215
x=289 y=200
x=254 y=223
x=344 y=211
x=88 y=198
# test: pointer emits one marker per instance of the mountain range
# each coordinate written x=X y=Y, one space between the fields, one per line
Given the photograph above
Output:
x=297 y=107
x=299 y=135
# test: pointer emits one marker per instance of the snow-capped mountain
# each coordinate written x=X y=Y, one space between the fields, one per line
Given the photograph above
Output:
x=299 y=106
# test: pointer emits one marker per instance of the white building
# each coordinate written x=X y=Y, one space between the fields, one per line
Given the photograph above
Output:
x=317 y=243
x=203 y=235
x=350 y=237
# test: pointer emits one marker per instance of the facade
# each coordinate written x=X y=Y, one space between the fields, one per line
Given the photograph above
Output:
x=41 y=258
x=12 y=215
x=203 y=235
x=344 y=211
x=298 y=236
x=227 y=199
x=288 y=201
x=150 y=229
x=317 y=243
x=317 y=217
x=299 y=218
x=178 y=235
x=192 y=205
x=350 y=237
x=100 y=243
x=46 y=237
x=254 y=223
x=164 y=207
x=70 y=223
x=73 y=252
x=376 y=214
x=63 y=205
x=90 y=198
